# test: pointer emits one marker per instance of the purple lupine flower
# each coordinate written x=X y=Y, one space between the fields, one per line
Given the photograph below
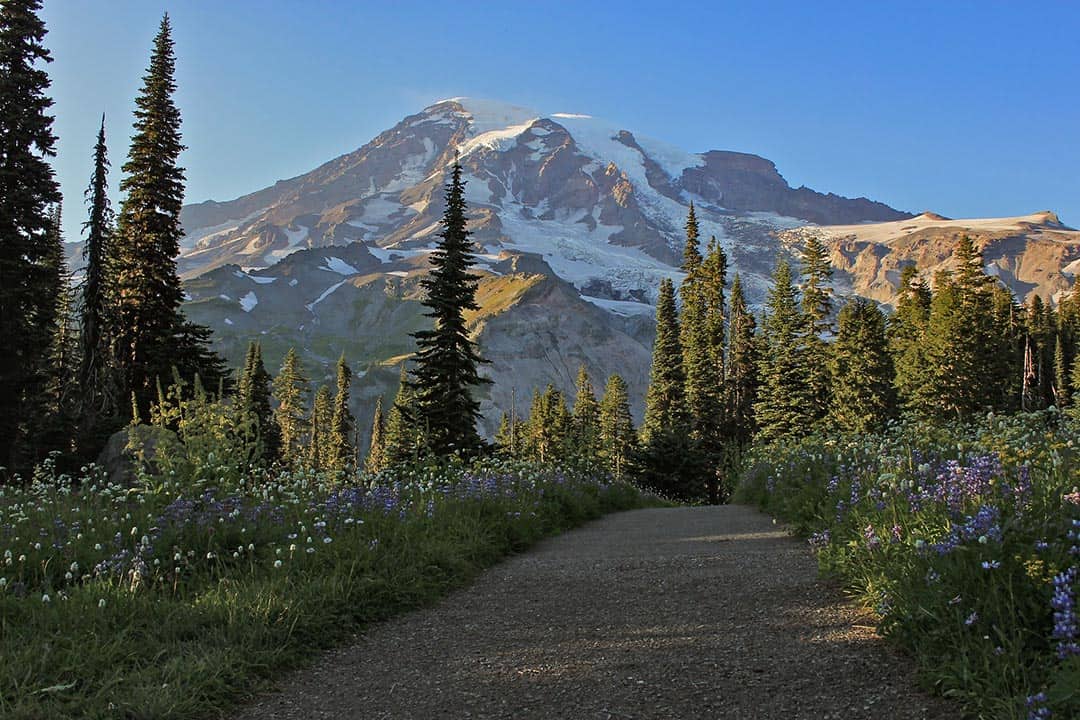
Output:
x=1036 y=705
x=1065 y=621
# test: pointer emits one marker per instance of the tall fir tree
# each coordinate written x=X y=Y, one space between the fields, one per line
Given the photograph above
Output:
x=151 y=331
x=741 y=378
x=785 y=399
x=586 y=417
x=959 y=379
x=253 y=400
x=376 y=457
x=100 y=400
x=863 y=397
x=1061 y=374
x=342 y=425
x=402 y=435
x=665 y=400
x=446 y=358
x=55 y=428
x=702 y=374
x=617 y=437
x=906 y=329
x=817 y=305
x=28 y=290
x=318 y=451
x=692 y=250
x=548 y=431
x=290 y=390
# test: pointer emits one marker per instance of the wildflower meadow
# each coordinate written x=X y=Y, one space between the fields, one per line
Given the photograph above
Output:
x=966 y=541
x=176 y=595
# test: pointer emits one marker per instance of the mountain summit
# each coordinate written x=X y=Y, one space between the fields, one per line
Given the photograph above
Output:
x=602 y=206
x=576 y=221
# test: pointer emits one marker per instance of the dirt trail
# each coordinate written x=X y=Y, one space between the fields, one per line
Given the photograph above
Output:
x=679 y=613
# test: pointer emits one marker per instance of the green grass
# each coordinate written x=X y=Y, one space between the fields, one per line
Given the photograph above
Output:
x=194 y=646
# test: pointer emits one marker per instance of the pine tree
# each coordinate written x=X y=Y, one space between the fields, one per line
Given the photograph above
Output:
x=617 y=437
x=692 y=250
x=1061 y=374
x=446 y=359
x=339 y=444
x=507 y=438
x=702 y=387
x=27 y=189
x=402 y=436
x=376 y=457
x=665 y=400
x=906 y=330
x=586 y=419
x=548 y=429
x=817 y=309
x=785 y=399
x=741 y=381
x=96 y=374
x=290 y=390
x=863 y=397
x=253 y=400
x=960 y=371
x=152 y=333
x=54 y=428
x=318 y=457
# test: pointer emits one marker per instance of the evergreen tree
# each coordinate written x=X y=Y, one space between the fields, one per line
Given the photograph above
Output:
x=1006 y=354
x=1061 y=374
x=342 y=453
x=817 y=309
x=960 y=345
x=402 y=436
x=548 y=430
x=28 y=289
x=586 y=420
x=151 y=332
x=319 y=451
x=290 y=390
x=446 y=359
x=665 y=400
x=376 y=457
x=53 y=429
x=508 y=437
x=692 y=250
x=253 y=401
x=741 y=381
x=617 y=437
x=906 y=330
x=863 y=396
x=785 y=398
x=96 y=374
x=714 y=286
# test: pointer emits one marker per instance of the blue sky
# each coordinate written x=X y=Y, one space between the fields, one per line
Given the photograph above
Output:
x=965 y=108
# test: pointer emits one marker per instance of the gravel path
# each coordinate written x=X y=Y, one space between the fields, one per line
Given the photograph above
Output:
x=709 y=612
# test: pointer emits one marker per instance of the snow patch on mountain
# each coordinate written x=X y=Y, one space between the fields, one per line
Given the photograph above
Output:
x=339 y=266
x=249 y=301
x=326 y=293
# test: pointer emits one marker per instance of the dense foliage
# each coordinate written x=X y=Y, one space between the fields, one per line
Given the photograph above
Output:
x=964 y=538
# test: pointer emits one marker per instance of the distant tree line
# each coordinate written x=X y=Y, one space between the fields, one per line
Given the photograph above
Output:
x=722 y=378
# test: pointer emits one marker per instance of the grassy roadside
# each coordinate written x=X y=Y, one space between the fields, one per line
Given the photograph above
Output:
x=223 y=593
x=963 y=539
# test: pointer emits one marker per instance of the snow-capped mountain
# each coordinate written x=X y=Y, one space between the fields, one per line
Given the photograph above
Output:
x=576 y=221
x=603 y=207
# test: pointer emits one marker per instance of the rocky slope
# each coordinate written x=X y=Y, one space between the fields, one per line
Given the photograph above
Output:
x=1033 y=254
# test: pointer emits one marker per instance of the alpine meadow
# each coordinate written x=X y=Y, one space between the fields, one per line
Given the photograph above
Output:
x=508 y=413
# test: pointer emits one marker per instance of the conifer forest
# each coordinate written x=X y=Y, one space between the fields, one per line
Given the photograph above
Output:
x=176 y=532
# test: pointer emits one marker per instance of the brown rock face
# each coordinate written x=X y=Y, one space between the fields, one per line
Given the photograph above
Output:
x=739 y=181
